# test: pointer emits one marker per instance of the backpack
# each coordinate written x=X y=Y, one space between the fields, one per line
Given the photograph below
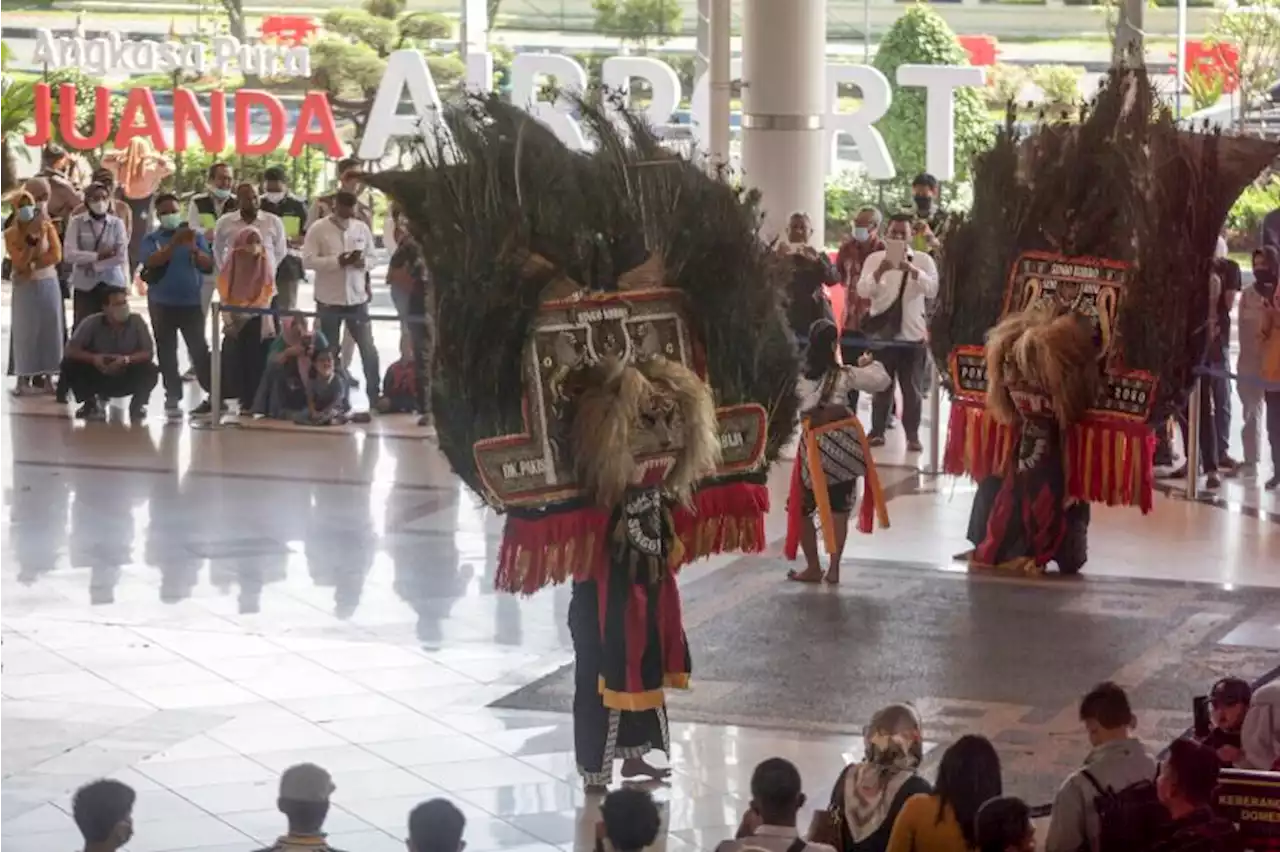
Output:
x=1126 y=816
x=399 y=386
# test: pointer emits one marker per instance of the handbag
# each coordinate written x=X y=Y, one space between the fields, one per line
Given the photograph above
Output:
x=887 y=323
x=843 y=458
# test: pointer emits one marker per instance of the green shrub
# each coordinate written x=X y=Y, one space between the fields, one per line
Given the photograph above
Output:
x=305 y=171
x=1004 y=83
x=921 y=37
x=1244 y=221
x=1060 y=84
x=845 y=192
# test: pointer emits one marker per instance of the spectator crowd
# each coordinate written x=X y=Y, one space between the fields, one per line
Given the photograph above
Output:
x=882 y=284
x=253 y=244
x=1120 y=800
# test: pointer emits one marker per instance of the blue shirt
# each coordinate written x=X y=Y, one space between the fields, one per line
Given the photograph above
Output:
x=182 y=279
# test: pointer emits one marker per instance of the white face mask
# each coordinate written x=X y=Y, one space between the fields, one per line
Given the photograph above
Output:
x=97 y=208
x=274 y=197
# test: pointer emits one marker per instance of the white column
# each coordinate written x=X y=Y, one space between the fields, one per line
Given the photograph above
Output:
x=721 y=89
x=784 y=79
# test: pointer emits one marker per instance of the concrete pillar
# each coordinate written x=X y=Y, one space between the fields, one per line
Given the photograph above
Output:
x=721 y=87
x=784 y=79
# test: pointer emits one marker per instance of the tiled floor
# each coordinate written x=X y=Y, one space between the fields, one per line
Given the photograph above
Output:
x=192 y=611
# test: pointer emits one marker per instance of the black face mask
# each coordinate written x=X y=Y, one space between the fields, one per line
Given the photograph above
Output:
x=924 y=203
x=1264 y=276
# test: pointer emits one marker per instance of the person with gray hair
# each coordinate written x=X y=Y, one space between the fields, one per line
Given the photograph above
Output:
x=853 y=254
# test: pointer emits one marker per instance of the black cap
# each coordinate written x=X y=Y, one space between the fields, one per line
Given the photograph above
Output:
x=1229 y=691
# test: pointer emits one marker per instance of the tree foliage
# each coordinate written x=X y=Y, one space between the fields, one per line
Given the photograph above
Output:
x=1254 y=31
x=16 y=115
x=638 y=21
x=921 y=37
x=1060 y=84
x=350 y=59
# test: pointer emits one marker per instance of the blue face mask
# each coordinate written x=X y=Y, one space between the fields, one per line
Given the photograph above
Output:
x=220 y=193
x=26 y=214
x=862 y=234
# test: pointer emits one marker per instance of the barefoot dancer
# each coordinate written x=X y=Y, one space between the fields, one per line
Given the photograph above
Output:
x=823 y=389
x=622 y=411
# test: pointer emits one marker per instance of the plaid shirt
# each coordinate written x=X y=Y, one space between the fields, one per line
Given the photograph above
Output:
x=849 y=261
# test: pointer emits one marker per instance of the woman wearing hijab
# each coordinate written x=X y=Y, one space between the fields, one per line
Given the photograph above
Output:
x=246 y=281
x=868 y=796
x=283 y=389
x=138 y=171
x=31 y=241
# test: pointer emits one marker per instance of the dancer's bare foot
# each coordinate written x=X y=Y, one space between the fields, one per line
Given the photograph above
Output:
x=812 y=574
x=638 y=767
x=833 y=575
x=965 y=556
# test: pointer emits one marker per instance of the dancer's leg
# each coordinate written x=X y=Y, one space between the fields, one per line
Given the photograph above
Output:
x=591 y=719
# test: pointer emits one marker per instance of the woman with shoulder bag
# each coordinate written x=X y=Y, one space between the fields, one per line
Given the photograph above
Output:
x=868 y=796
x=833 y=450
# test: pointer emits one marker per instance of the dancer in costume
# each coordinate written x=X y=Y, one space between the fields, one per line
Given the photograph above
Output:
x=1042 y=377
x=1084 y=257
x=824 y=389
x=615 y=376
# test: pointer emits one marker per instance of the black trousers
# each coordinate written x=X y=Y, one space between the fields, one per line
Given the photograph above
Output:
x=905 y=366
x=167 y=322
x=600 y=734
x=244 y=359
x=87 y=302
x=1072 y=552
x=90 y=384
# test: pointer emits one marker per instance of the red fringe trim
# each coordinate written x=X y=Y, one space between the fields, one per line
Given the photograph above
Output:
x=573 y=545
x=552 y=549
x=726 y=518
x=1107 y=461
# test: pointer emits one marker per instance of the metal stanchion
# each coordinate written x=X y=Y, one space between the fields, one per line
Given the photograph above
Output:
x=215 y=368
x=1193 y=439
x=934 y=467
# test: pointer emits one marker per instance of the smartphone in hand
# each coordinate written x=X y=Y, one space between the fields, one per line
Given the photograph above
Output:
x=895 y=252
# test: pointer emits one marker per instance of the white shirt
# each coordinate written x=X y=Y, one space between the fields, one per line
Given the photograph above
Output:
x=269 y=227
x=872 y=378
x=915 y=326
x=325 y=240
x=771 y=838
x=85 y=236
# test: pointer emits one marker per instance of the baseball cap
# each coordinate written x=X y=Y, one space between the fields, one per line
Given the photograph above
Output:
x=306 y=782
x=1230 y=690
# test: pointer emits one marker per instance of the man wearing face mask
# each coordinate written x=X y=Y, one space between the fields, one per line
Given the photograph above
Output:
x=861 y=244
x=337 y=247
x=176 y=259
x=110 y=356
x=1254 y=301
x=348 y=181
x=349 y=171
x=898 y=281
x=97 y=247
x=249 y=215
x=278 y=200
x=1265 y=303
x=930 y=217
x=203 y=212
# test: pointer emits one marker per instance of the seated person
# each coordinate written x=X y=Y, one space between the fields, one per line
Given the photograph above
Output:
x=110 y=355
x=1228 y=704
x=400 y=386
x=326 y=403
x=283 y=389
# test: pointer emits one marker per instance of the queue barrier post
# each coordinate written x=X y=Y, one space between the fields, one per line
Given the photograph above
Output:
x=934 y=467
x=215 y=366
x=1193 y=439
